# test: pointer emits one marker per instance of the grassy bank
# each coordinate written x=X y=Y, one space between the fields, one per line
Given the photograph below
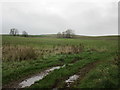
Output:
x=16 y=70
x=57 y=78
x=104 y=75
x=24 y=56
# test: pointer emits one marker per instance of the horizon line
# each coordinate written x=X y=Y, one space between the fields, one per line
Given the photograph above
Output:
x=75 y=34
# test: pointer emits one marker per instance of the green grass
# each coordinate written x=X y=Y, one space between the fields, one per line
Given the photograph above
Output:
x=15 y=70
x=96 y=48
x=104 y=75
x=51 y=42
x=59 y=76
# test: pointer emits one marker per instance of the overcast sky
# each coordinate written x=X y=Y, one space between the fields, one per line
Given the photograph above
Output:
x=52 y=16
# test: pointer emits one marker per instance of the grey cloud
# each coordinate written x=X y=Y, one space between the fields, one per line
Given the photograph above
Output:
x=84 y=18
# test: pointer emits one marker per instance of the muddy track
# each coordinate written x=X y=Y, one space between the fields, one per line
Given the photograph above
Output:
x=40 y=75
x=13 y=84
x=78 y=76
x=82 y=73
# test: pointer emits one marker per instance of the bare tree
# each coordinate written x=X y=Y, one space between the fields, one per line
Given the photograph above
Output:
x=69 y=33
x=11 y=32
x=59 y=35
x=14 y=32
x=63 y=34
x=24 y=33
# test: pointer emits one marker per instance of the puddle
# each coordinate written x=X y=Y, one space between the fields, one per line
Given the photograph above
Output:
x=63 y=66
x=28 y=82
x=71 y=79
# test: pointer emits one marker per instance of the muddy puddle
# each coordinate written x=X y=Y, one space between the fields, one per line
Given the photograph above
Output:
x=28 y=82
x=71 y=80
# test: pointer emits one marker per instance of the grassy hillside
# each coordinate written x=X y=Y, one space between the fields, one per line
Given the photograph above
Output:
x=24 y=56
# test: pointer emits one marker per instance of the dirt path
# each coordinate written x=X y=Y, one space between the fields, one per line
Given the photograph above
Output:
x=15 y=84
x=69 y=83
x=72 y=80
x=29 y=80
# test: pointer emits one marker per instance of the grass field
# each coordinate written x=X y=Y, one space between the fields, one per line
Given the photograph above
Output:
x=25 y=56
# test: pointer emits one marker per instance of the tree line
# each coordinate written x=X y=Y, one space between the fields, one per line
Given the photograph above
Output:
x=66 y=34
x=15 y=32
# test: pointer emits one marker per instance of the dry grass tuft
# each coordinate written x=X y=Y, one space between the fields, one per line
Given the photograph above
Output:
x=69 y=49
x=13 y=53
x=18 y=53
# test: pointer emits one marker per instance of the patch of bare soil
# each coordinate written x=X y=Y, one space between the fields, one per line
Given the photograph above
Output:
x=80 y=75
x=72 y=80
x=30 y=79
x=14 y=84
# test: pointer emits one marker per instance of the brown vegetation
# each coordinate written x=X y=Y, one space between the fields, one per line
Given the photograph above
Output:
x=69 y=49
x=18 y=53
